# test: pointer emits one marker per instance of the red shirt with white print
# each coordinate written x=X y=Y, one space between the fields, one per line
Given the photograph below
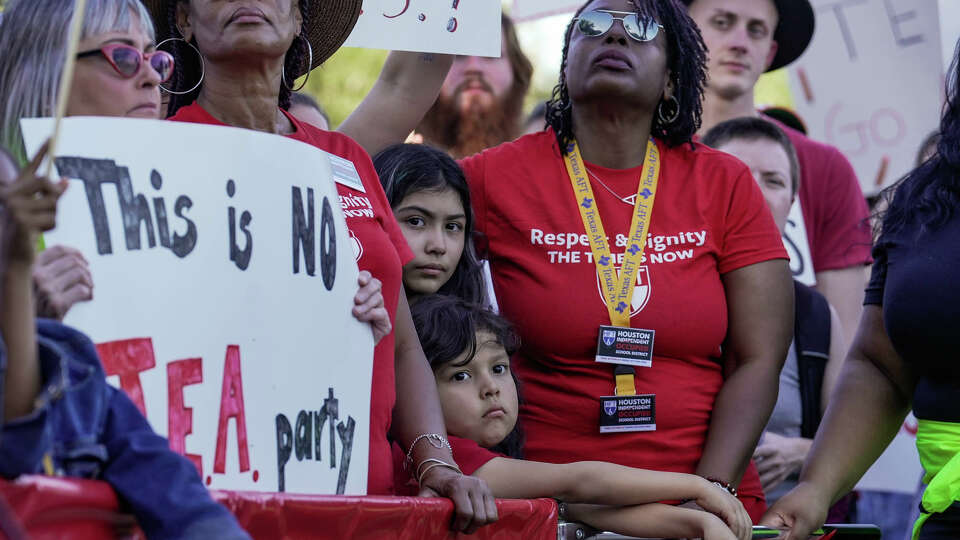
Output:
x=709 y=218
x=380 y=249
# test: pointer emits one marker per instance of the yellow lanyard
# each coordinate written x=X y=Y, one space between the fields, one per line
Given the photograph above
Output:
x=617 y=290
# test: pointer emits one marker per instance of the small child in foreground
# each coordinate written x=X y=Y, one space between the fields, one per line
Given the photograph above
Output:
x=469 y=349
x=59 y=415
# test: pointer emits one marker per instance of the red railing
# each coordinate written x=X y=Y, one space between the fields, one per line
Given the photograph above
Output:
x=69 y=509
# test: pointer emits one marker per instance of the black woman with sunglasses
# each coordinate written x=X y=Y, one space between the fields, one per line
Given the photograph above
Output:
x=643 y=271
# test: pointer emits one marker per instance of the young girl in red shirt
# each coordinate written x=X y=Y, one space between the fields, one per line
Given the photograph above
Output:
x=469 y=349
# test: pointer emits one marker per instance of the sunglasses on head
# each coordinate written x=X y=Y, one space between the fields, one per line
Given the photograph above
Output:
x=597 y=23
x=126 y=60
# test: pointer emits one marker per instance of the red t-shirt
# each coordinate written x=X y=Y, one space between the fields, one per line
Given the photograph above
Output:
x=380 y=249
x=833 y=206
x=469 y=455
x=709 y=218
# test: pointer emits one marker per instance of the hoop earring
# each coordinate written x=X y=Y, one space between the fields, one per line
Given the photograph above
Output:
x=675 y=113
x=202 y=67
x=283 y=75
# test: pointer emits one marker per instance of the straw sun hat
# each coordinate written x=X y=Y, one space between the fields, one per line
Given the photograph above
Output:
x=329 y=24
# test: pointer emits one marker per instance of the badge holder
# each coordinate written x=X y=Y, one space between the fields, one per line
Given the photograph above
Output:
x=627 y=411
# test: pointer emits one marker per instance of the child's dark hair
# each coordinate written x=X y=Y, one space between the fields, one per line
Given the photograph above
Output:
x=409 y=168
x=447 y=326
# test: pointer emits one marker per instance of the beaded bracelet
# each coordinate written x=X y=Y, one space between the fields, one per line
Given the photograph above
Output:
x=433 y=463
x=436 y=440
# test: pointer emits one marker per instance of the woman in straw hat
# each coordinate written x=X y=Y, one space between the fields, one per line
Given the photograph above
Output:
x=236 y=65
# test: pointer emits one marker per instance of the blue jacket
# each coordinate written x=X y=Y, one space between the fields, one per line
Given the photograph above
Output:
x=92 y=430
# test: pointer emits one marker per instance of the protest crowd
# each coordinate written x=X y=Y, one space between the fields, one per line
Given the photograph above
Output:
x=592 y=304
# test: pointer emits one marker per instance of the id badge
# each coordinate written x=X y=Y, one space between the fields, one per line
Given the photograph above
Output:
x=626 y=346
x=628 y=413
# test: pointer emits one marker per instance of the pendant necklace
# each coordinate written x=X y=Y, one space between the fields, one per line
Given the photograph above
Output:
x=629 y=201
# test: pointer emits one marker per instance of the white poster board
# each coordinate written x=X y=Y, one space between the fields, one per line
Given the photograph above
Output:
x=528 y=10
x=798 y=246
x=470 y=27
x=949 y=30
x=870 y=83
x=235 y=336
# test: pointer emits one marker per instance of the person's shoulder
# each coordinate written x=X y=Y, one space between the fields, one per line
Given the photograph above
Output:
x=333 y=142
x=519 y=151
x=74 y=347
x=194 y=114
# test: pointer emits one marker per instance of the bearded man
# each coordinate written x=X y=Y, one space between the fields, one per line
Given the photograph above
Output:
x=481 y=101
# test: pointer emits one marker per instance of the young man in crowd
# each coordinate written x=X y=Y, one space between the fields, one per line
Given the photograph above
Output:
x=746 y=38
x=481 y=101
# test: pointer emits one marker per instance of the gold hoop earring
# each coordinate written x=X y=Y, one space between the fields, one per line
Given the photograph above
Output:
x=202 y=67
x=283 y=75
x=671 y=117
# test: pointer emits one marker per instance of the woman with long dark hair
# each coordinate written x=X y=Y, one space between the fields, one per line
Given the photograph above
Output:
x=644 y=273
x=431 y=200
x=904 y=355
x=237 y=64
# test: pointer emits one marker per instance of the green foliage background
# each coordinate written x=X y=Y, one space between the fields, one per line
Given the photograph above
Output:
x=343 y=80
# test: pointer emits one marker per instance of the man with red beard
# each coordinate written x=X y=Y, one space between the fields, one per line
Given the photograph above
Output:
x=481 y=101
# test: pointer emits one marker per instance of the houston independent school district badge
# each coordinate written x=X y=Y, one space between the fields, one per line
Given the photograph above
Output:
x=625 y=346
x=619 y=414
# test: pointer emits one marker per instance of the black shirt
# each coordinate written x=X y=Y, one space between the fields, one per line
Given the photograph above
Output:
x=916 y=280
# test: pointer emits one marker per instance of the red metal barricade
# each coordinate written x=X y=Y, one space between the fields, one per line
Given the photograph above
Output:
x=72 y=509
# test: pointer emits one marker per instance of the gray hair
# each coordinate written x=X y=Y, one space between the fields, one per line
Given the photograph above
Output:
x=33 y=38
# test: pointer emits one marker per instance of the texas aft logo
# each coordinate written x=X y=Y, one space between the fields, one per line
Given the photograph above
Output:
x=641 y=290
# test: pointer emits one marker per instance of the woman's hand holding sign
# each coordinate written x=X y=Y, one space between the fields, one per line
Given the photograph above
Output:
x=61 y=278
x=369 y=306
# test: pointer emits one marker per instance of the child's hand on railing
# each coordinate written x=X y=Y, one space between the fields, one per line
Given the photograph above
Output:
x=719 y=502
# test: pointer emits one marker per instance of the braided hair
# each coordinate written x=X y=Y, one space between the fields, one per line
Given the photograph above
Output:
x=686 y=61
x=188 y=65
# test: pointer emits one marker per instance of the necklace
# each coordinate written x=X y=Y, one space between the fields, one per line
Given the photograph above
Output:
x=629 y=201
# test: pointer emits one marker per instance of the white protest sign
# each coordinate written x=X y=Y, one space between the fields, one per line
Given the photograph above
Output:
x=870 y=83
x=527 y=10
x=949 y=30
x=470 y=27
x=224 y=281
x=798 y=247
x=898 y=469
